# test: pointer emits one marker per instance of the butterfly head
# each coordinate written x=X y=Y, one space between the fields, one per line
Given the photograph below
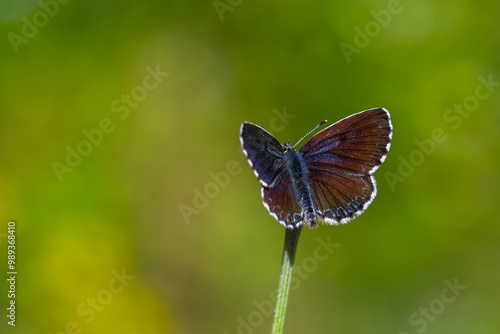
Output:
x=288 y=147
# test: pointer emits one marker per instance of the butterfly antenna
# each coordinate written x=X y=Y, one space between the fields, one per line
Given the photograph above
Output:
x=307 y=134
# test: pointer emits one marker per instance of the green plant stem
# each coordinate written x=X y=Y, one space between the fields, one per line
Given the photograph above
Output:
x=291 y=240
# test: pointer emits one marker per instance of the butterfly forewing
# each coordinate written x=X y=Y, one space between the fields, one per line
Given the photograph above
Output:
x=264 y=152
x=356 y=144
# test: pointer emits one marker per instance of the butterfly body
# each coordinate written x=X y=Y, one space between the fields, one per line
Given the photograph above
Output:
x=297 y=168
x=329 y=178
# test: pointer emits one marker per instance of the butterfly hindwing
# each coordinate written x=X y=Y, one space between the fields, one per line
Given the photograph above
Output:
x=340 y=197
x=281 y=202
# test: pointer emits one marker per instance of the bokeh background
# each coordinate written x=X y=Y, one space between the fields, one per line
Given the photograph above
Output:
x=130 y=205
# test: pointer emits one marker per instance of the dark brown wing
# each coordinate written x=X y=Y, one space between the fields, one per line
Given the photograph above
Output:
x=266 y=157
x=340 y=160
x=281 y=202
x=357 y=144
x=264 y=152
x=340 y=197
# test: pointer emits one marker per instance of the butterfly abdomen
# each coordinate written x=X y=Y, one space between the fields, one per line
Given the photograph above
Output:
x=299 y=176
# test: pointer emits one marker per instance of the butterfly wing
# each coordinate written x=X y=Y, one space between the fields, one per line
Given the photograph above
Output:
x=340 y=197
x=281 y=202
x=266 y=157
x=264 y=152
x=341 y=160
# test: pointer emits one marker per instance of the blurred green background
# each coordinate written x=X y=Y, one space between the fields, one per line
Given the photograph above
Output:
x=129 y=204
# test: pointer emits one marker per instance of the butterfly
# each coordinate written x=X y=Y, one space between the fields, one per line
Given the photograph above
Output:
x=330 y=178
